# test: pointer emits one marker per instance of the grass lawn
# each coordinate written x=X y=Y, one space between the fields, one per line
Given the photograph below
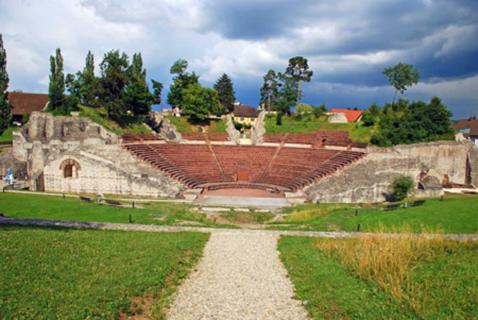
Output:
x=57 y=208
x=183 y=126
x=383 y=279
x=79 y=274
x=455 y=214
x=357 y=132
x=7 y=135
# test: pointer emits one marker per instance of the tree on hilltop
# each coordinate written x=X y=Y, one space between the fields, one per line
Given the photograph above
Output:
x=298 y=69
x=5 y=108
x=401 y=76
x=88 y=81
x=270 y=89
x=137 y=96
x=225 y=90
x=56 y=88
x=181 y=81
x=199 y=102
x=112 y=84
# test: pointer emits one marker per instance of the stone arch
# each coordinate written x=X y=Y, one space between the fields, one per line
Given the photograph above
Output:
x=70 y=168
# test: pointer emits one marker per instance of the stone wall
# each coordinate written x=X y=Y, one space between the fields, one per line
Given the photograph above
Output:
x=474 y=165
x=369 y=179
x=259 y=129
x=47 y=143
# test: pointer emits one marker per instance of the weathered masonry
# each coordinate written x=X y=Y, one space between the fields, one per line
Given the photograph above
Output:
x=75 y=155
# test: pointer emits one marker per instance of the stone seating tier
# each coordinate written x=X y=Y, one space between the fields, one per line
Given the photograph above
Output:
x=201 y=165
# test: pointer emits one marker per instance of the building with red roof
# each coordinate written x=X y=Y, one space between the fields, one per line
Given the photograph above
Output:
x=25 y=103
x=345 y=115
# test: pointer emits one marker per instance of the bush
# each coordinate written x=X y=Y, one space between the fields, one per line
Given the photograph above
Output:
x=401 y=186
x=279 y=119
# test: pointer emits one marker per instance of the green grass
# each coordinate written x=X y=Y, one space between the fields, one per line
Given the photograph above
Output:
x=72 y=209
x=455 y=214
x=79 y=274
x=443 y=285
x=184 y=126
x=247 y=217
x=7 y=135
x=100 y=116
x=357 y=132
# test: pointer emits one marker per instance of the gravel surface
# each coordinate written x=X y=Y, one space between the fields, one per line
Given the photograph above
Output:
x=239 y=277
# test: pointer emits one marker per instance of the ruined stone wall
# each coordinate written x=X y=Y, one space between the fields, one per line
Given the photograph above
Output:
x=369 y=179
x=474 y=165
x=48 y=142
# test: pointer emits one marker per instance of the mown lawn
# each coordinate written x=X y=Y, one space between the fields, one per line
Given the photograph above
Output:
x=357 y=132
x=382 y=279
x=455 y=214
x=72 y=209
x=79 y=274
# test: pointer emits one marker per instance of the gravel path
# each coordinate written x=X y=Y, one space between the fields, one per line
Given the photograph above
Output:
x=239 y=277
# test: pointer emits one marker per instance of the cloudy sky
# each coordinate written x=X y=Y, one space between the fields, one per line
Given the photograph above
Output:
x=347 y=42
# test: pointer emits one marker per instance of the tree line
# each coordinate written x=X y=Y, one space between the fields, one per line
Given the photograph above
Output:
x=282 y=90
x=122 y=89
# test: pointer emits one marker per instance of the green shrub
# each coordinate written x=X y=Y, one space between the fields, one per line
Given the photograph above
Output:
x=401 y=186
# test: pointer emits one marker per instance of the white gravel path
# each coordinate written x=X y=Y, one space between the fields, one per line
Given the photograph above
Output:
x=239 y=277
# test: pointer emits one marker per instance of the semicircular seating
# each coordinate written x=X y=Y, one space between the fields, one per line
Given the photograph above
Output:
x=200 y=165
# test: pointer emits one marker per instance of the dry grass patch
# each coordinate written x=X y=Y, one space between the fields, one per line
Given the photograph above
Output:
x=390 y=262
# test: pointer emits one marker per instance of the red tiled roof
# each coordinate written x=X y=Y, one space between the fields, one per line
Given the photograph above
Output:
x=471 y=124
x=351 y=115
x=23 y=102
x=245 y=111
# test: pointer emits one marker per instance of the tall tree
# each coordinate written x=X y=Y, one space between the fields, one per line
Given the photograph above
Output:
x=287 y=93
x=5 y=108
x=88 y=81
x=270 y=89
x=199 y=102
x=181 y=81
x=56 y=88
x=112 y=85
x=179 y=67
x=401 y=76
x=157 y=90
x=298 y=69
x=225 y=90
x=137 y=96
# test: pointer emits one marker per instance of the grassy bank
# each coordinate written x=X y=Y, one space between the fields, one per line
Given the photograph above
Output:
x=453 y=214
x=7 y=135
x=380 y=278
x=357 y=132
x=100 y=116
x=184 y=126
x=71 y=274
x=72 y=209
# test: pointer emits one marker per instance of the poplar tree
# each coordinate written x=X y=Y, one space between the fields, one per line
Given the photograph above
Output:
x=5 y=108
x=56 y=88
x=88 y=81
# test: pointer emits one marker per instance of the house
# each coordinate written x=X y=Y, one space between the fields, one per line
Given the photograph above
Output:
x=245 y=115
x=25 y=103
x=345 y=115
x=468 y=128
